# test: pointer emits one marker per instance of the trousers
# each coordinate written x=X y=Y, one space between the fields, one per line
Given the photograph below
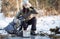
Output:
x=32 y=22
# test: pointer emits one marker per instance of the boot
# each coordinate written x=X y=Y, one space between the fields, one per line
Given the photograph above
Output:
x=19 y=33
x=33 y=33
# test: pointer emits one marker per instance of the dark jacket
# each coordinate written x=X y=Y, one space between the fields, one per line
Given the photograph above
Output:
x=26 y=13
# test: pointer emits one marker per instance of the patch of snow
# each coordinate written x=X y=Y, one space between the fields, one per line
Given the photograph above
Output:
x=47 y=22
x=4 y=21
x=3 y=32
x=2 y=16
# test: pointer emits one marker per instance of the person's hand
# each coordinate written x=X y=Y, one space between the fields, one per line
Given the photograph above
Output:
x=16 y=20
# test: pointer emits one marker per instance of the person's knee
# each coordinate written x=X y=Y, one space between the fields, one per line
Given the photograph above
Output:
x=34 y=19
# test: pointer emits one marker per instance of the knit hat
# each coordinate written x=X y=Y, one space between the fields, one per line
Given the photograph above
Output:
x=26 y=4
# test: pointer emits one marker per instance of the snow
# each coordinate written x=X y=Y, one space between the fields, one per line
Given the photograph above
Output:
x=3 y=32
x=43 y=23
x=4 y=21
x=47 y=22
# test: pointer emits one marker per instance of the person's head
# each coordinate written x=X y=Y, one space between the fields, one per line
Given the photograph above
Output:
x=27 y=5
x=26 y=10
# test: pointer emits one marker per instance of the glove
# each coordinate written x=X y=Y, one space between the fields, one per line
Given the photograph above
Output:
x=21 y=18
x=16 y=20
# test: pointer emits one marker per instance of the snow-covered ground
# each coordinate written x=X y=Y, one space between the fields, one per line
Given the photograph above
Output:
x=43 y=23
x=47 y=22
x=4 y=21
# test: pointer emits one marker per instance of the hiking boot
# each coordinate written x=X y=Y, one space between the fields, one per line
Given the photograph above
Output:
x=20 y=33
x=33 y=33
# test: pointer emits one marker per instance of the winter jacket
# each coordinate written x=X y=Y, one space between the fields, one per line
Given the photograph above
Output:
x=27 y=13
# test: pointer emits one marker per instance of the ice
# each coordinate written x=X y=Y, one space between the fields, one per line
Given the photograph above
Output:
x=32 y=37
